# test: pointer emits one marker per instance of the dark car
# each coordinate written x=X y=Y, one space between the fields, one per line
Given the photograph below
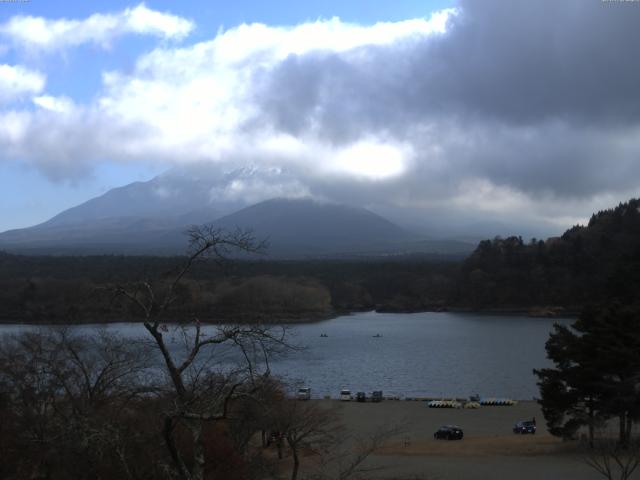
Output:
x=361 y=397
x=448 y=432
x=376 y=396
x=527 y=426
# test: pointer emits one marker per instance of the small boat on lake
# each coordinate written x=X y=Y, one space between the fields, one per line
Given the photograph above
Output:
x=377 y=335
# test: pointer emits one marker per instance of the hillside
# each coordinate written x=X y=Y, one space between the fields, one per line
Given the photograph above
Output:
x=303 y=226
x=292 y=227
x=586 y=264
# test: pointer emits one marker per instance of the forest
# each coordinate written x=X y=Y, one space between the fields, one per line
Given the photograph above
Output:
x=586 y=265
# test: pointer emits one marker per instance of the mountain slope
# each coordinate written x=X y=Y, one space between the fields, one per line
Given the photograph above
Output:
x=304 y=226
x=171 y=194
x=292 y=227
x=151 y=217
x=131 y=218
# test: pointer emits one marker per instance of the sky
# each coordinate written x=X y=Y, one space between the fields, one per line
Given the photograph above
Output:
x=501 y=111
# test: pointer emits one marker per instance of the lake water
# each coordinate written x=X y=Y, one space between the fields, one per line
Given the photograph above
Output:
x=421 y=354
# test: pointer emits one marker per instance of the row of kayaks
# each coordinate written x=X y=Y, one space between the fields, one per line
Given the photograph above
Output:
x=324 y=335
x=483 y=402
x=444 y=404
x=500 y=402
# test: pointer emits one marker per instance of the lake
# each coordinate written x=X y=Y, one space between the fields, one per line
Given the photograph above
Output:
x=419 y=354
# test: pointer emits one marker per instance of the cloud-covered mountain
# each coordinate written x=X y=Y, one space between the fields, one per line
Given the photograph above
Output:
x=291 y=227
x=151 y=218
x=507 y=110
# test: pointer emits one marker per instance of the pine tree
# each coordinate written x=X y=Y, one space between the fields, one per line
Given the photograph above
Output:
x=596 y=375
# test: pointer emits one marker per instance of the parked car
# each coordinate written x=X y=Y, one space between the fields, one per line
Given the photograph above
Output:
x=345 y=395
x=361 y=397
x=524 y=427
x=449 y=432
x=304 y=393
x=376 y=396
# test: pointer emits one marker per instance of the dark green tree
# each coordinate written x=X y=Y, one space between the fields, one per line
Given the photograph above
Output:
x=596 y=375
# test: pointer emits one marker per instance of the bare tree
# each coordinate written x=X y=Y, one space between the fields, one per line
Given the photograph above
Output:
x=346 y=459
x=612 y=460
x=201 y=388
x=65 y=399
x=304 y=426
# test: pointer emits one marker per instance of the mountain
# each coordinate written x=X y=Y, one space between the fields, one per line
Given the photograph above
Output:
x=151 y=218
x=195 y=194
x=292 y=227
x=299 y=226
x=134 y=218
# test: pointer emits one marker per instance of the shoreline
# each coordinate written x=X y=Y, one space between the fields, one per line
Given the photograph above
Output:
x=528 y=312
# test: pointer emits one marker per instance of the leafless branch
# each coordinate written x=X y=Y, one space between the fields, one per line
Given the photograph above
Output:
x=612 y=460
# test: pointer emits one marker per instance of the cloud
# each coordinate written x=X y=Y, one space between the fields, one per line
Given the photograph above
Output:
x=54 y=104
x=536 y=97
x=194 y=103
x=17 y=82
x=253 y=190
x=370 y=160
x=505 y=108
x=516 y=64
x=42 y=34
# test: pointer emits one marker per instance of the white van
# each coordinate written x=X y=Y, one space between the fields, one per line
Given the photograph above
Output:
x=345 y=395
x=304 y=393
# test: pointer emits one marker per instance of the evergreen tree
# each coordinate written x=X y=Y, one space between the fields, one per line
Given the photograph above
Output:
x=596 y=375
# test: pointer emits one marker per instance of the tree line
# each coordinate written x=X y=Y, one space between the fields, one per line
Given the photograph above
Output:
x=587 y=264
x=77 y=289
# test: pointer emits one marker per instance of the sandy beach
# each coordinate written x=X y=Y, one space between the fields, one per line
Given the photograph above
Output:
x=489 y=450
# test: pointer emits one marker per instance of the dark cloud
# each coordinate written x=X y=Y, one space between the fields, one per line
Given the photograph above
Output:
x=531 y=61
x=539 y=96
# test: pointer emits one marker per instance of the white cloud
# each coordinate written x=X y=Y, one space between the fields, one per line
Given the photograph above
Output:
x=42 y=34
x=17 y=82
x=276 y=43
x=13 y=131
x=151 y=22
x=196 y=102
x=55 y=104
x=254 y=190
x=371 y=159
